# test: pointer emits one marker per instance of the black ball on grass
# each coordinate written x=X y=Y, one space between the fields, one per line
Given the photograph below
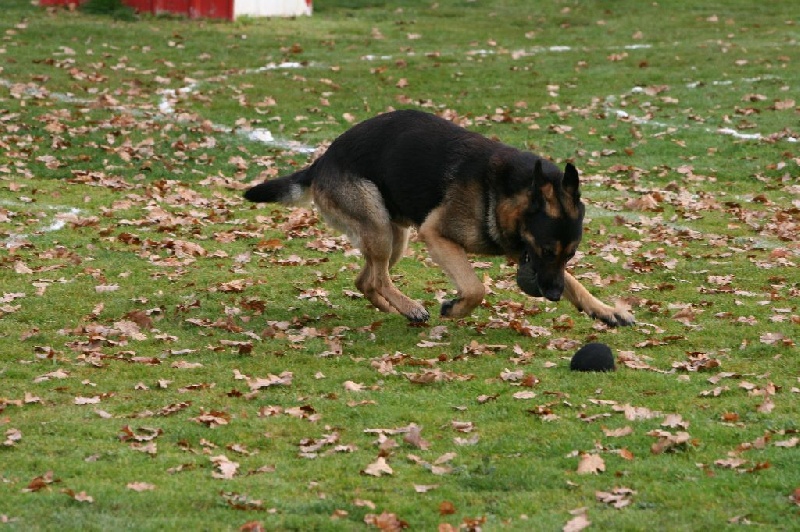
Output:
x=593 y=357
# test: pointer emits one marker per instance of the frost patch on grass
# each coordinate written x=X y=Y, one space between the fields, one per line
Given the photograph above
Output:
x=58 y=223
x=278 y=66
x=611 y=109
x=264 y=136
x=260 y=135
x=625 y=115
x=35 y=91
x=167 y=107
x=169 y=96
x=728 y=82
x=738 y=135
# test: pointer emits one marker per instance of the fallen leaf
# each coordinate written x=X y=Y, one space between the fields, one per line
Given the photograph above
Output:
x=674 y=421
x=225 y=468
x=351 y=386
x=524 y=395
x=378 y=468
x=87 y=400
x=766 y=407
x=241 y=502
x=591 y=464
x=617 y=433
x=462 y=426
x=212 y=419
x=668 y=441
x=13 y=436
x=387 y=522
x=795 y=496
x=41 y=482
x=414 y=437
x=577 y=523
x=618 y=497
x=364 y=503
x=252 y=526
x=80 y=497
x=140 y=486
x=446 y=508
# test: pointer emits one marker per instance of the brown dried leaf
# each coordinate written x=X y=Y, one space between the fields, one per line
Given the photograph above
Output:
x=387 y=522
x=617 y=497
x=668 y=441
x=577 y=523
x=80 y=497
x=13 y=436
x=591 y=464
x=41 y=482
x=140 y=486
x=414 y=437
x=378 y=468
x=212 y=419
x=225 y=468
x=617 y=433
x=351 y=386
x=795 y=496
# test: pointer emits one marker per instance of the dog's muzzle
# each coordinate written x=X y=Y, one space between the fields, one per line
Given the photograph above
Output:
x=526 y=276
x=528 y=281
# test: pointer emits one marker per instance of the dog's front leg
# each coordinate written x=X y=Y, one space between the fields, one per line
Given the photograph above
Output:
x=453 y=260
x=576 y=294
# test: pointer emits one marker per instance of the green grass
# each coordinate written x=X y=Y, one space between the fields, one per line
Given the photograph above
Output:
x=100 y=187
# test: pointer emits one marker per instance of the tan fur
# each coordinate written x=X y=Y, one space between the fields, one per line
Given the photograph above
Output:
x=382 y=243
x=466 y=194
x=556 y=206
x=452 y=258
x=575 y=293
x=509 y=212
x=551 y=204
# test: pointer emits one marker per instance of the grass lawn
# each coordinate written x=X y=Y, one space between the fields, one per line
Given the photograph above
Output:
x=173 y=357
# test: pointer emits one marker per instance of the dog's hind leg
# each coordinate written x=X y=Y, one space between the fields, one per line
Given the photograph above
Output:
x=359 y=212
x=376 y=284
x=399 y=243
x=366 y=286
x=365 y=282
x=382 y=245
x=577 y=294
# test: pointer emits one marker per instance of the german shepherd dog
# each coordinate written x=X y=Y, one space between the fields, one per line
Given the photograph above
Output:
x=463 y=192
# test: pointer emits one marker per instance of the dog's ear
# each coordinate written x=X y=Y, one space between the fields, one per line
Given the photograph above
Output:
x=539 y=179
x=543 y=189
x=571 y=182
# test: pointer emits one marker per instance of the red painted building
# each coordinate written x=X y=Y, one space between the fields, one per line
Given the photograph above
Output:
x=227 y=9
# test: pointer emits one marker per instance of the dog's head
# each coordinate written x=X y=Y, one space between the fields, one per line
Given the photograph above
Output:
x=551 y=229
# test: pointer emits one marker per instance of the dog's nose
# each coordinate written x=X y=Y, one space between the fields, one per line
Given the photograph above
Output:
x=553 y=294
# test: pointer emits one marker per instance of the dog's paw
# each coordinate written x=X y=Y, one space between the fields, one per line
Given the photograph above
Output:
x=456 y=308
x=625 y=319
x=618 y=316
x=418 y=315
x=447 y=307
x=618 y=320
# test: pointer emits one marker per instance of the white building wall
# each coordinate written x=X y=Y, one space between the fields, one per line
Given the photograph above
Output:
x=271 y=8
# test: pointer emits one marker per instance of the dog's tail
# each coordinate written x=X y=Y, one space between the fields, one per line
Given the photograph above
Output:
x=293 y=189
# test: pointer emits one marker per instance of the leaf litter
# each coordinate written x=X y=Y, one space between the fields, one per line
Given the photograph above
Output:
x=175 y=225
